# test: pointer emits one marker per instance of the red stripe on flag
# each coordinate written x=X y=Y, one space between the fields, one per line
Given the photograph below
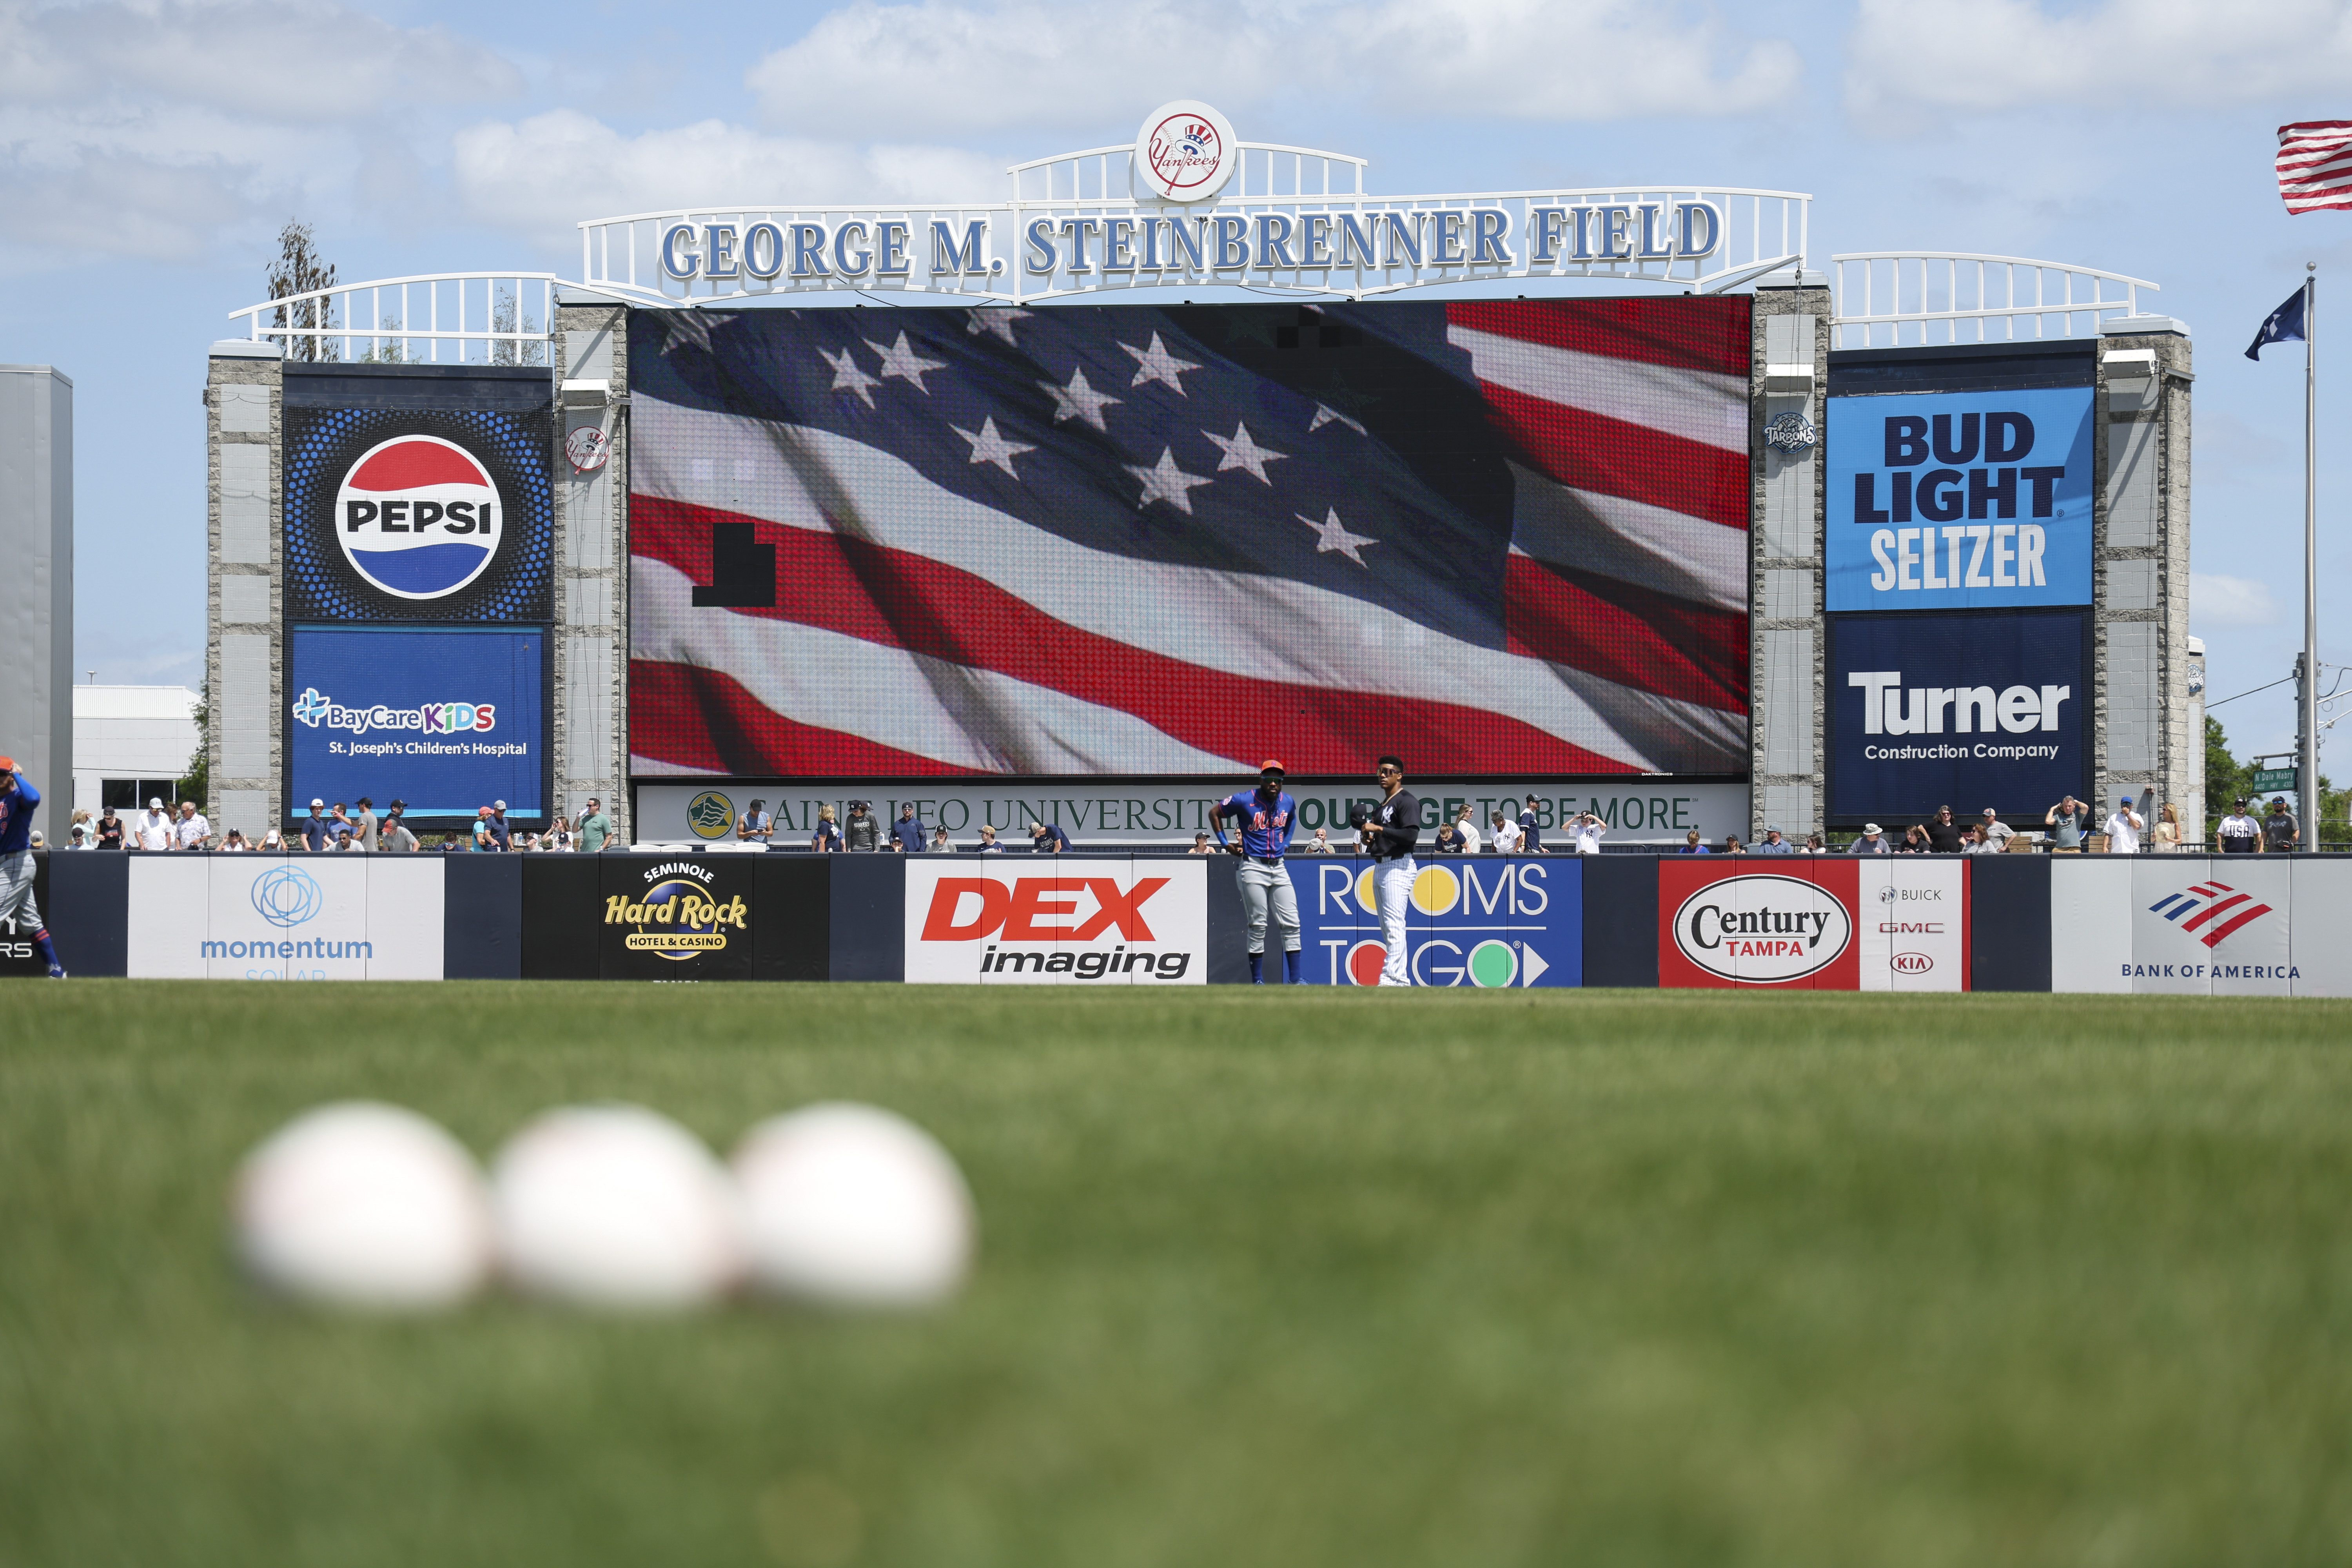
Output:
x=903 y=600
x=1688 y=334
x=1593 y=452
x=1636 y=636
x=701 y=718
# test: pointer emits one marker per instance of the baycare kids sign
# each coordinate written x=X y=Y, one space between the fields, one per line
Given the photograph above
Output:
x=1048 y=921
x=1869 y=923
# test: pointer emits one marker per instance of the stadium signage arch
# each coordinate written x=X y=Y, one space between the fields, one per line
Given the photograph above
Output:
x=1189 y=202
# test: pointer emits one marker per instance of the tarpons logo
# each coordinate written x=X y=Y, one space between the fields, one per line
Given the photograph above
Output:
x=418 y=517
x=315 y=709
x=710 y=815
x=1762 y=929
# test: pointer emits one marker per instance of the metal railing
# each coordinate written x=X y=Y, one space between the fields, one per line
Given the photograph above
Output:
x=1887 y=299
x=433 y=318
x=1270 y=157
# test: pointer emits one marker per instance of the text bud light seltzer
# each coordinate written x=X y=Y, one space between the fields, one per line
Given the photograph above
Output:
x=418 y=517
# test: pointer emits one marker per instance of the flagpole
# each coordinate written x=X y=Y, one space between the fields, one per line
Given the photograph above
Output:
x=2307 y=739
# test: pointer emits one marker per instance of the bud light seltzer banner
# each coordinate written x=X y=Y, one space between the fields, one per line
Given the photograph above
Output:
x=1959 y=499
x=418 y=493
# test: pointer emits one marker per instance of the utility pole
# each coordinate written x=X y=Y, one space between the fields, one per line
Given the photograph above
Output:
x=2307 y=769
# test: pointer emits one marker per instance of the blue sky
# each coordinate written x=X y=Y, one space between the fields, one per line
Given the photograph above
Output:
x=150 y=150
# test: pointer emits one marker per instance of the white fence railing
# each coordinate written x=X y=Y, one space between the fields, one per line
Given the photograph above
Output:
x=1903 y=299
x=434 y=317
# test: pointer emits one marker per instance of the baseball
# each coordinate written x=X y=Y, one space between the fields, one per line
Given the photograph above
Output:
x=363 y=1205
x=612 y=1205
x=851 y=1206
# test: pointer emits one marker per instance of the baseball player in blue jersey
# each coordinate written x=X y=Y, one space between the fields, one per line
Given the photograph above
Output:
x=18 y=799
x=1267 y=817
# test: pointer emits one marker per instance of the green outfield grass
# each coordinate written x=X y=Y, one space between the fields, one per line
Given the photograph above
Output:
x=1267 y=1277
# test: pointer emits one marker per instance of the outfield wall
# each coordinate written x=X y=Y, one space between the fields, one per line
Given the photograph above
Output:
x=2266 y=925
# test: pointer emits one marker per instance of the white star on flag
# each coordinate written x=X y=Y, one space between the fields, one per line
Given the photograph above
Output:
x=988 y=447
x=902 y=361
x=1333 y=535
x=1155 y=363
x=994 y=320
x=1079 y=401
x=691 y=328
x=1242 y=452
x=847 y=377
x=1327 y=414
x=1165 y=481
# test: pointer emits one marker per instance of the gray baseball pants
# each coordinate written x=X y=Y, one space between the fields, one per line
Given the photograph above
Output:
x=1264 y=886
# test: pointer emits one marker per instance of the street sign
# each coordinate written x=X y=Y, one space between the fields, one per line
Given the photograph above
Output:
x=2274 y=781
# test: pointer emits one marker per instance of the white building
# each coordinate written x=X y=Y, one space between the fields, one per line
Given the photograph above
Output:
x=131 y=743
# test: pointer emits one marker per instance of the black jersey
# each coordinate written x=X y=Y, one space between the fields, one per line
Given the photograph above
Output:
x=1396 y=826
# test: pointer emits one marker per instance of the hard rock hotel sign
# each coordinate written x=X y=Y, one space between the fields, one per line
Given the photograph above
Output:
x=1189 y=202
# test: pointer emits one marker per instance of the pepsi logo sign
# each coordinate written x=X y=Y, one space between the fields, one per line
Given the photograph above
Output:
x=418 y=517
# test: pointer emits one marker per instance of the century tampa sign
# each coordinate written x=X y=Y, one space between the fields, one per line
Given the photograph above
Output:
x=1189 y=202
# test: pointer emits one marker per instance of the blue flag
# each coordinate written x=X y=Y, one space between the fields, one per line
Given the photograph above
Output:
x=2282 y=325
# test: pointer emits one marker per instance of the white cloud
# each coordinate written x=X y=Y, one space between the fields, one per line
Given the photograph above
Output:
x=543 y=174
x=302 y=61
x=938 y=68
x=1979 y=56
x=146 y=127
x=2218 y=601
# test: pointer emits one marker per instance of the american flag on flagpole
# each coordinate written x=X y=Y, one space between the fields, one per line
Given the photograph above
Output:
x=1503 y=537
x=2315 y=165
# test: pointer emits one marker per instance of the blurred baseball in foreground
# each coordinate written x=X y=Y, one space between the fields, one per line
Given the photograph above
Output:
x=612 y=1205
x=362 y=1204
x=850 y=1206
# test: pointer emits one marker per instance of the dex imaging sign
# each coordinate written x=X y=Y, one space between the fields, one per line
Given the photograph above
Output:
x=1959 y=711
x=1959 y=499
x=1075 y=923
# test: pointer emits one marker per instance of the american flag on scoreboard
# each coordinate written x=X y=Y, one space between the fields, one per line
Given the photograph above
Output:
x=1496 y=537
x=2315 y=165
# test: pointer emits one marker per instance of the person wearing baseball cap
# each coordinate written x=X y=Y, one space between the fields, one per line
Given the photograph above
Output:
x=2123 y=829
x=499 y=828
x=317 y=831
x=18 y=799
x=2239 y=833
x=2281 y=832
x=1266 y=816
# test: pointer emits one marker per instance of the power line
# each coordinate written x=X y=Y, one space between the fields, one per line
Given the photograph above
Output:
x=2282 y=680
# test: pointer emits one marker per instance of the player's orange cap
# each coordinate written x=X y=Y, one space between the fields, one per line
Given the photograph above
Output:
x=7 y=764
x=1271 y=766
